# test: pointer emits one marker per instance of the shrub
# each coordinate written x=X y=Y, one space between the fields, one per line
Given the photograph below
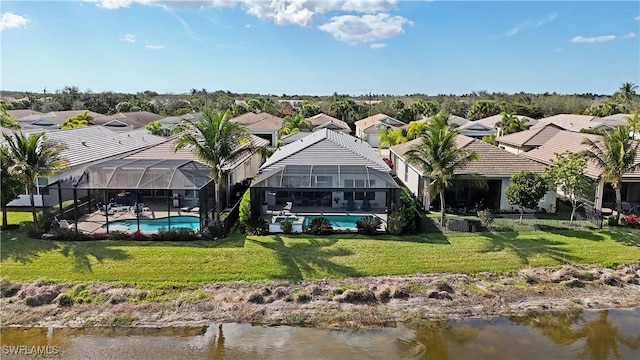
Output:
x=256 y=227
x=71 y=235
x=320 y=226
x=119 y=235
x=286 y=226
x=179 y=234
x=138 y=235
x=612 y=221
x=631 y=220
x=216 y=229
x=486 y=218
x=244 y=213
x=407 y=208
x=395 y=223
x=368 y=225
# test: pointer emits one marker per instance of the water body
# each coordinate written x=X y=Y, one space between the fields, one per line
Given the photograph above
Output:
x=582 y=335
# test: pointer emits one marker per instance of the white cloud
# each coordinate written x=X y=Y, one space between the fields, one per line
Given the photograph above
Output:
x=630 y=35
x=128 y=38
x=248 y=26
x=637 y=18
x=378 y=45
x=531 y=24
x=365 y=28
x=558 y=49
x=154 y=47
x=591 y=40
x=12 y=21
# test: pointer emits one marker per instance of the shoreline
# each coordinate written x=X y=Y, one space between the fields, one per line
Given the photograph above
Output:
x=349 y=304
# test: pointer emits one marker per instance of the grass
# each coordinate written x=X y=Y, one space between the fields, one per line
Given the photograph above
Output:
x=295 y=258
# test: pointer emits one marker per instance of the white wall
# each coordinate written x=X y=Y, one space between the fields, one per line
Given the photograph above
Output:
x=548 y=201
x=372 y=139
x=511 y=149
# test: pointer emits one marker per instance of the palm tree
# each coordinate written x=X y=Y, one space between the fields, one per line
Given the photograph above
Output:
x=7 y=120
x=416 y=129
x=295 y=123
x=439 y=158
x=633 y=122
x=34 y=157
x=215 y=140
x=510 y=124
x=627 y=92
x=11 y=185
x=615 y=154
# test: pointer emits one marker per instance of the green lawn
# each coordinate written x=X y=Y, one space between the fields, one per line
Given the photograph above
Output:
x=296 y=258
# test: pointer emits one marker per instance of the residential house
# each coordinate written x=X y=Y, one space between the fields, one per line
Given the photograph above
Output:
x=86 y=145
x=262 y=125
x=19 y=114
x=53 y=119
x=488 y=126
x=124 y=121
x=369 y=127
x=496 y=166
x=322 y=121
x=523 y=141
x=578 y=123
x=325 y=171
x=171 y=122
x=572 y=141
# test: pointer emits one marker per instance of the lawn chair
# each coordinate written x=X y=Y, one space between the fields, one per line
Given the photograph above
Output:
x=190 y=207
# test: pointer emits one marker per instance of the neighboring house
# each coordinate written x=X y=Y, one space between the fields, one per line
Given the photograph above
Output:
x=288 y=139
x=124 y=121
x=369 y=127
x=495 y=165
x=325 y=171
x=488 y=126
x=262 y=124
x=576 y=123
x=19 y=114
x=454 y=121
x=86 y=145
x=53 y=119
x=572 y=141
x=171 y=122
x=324 y=121
x=239 y=171
x=522 y=141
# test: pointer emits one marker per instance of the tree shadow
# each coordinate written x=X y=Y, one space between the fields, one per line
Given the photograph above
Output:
x=302 y=259
x=23 y=249
x=526 y=248
x=82 y=252
x=582 y=234
x=623 y=235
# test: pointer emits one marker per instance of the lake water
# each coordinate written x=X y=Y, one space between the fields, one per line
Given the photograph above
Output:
x=588 y=335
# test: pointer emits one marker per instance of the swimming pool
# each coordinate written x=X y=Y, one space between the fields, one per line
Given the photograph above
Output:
x=337 y=221
x=153 y=225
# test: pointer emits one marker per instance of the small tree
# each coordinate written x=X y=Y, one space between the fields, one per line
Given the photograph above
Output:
x=526 y=189
x=567 y=174
x=11 y=185
x=155 y=128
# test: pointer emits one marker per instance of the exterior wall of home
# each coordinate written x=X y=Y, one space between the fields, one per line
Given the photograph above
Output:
x=511 y=149
x=548 y=201
x=372 y=139
x=409 y=177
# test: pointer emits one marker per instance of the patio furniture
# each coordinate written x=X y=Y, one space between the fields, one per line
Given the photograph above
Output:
x=190 y=207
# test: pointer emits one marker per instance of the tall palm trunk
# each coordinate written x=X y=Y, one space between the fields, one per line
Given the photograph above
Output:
x=218 y=203
x=443 y=217
x=617 y=187
x=33 y=209
x=5 y=220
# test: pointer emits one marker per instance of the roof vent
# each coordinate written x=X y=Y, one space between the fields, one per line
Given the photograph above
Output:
x=84 y=143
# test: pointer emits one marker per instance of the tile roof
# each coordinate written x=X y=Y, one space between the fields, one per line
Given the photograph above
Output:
x=493 y=160
x=93 y=143
x=54 y=117
x=288 y=139
x=172 y=121
x=165 y=150
x=371 y=123
x=573 y=122
x=326 y=147
x=19 y=114
x=135 y=119
x=322 y=121
x=259 y=121
x=529 y=138
x=491 y=121
x=572 y=141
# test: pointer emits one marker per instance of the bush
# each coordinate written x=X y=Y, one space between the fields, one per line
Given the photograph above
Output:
x=286 y=226
x=256 y=227
x=611 y=221
x=216 y=229
x=407 y=208
x=119 y=235
x=244 y=213
x=395 y=223
x=631 y=220
x=368 y=225
x=486 y=218
x=320 y=226
x=179 y=234
x=71 y=235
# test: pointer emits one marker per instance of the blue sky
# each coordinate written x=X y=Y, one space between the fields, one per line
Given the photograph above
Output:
x=318 y=47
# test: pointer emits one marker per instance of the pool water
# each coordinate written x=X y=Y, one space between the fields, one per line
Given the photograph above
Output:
x=153 y=225
x=337 y=221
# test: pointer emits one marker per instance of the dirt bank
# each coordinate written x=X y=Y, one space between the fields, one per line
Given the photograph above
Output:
x=346 y=303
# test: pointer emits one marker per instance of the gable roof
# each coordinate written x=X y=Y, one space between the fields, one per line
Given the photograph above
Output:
x=54 y=117
x=135 y=119
x=259 y=121
x=321 y=121
x=573 y=122
x=572 y=141
x=165 y=150
x=454 y=121
x=326 y=147
x=491 y=121
x=19 y=114
x=288 y=139
x=371 y=123
x=493 y=160
x=173 y=121
x=529 y=138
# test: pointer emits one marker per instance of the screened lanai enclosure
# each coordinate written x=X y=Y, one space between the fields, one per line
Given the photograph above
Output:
x=139 y=195
x=323 y=188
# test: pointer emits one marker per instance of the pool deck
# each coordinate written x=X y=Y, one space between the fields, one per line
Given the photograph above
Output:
x=93 y=222
x=311 y=211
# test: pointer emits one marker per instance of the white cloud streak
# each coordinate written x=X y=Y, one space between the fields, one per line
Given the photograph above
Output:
x=630 y=35
x=531 y=24
x=154 y=47
x=377 y=45
x=12 y=21
x=637 y=18
x=592 y=40
x=128 y=38
x=365 y=28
